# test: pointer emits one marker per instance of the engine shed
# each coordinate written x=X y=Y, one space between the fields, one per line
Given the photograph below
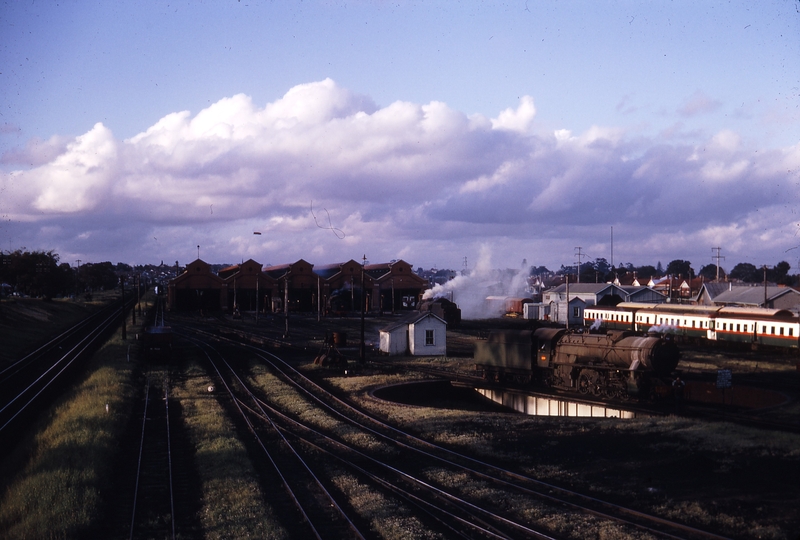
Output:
x=249 y=289
x=197 y=288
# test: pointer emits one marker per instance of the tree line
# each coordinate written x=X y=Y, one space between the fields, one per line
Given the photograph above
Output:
x=600 y=270
x=41 y=274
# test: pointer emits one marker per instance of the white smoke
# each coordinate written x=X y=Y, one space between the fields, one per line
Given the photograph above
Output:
x=596 y=324
x=664 y=329
x=470 y=291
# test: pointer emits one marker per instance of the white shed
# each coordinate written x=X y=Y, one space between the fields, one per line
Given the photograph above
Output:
x=418 y=334
x=394 y=338
x=427 y=336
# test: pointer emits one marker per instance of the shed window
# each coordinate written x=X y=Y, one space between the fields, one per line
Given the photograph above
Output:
x=429 y=337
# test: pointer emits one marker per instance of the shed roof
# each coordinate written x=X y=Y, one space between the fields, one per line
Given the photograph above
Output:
x=412 y=318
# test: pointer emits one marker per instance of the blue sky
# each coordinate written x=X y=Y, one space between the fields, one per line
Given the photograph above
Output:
x=434 y=131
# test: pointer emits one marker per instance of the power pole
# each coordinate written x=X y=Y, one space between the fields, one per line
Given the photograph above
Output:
x=122 y=286
x=717 y=257
x=579 y=255
x=363 y=300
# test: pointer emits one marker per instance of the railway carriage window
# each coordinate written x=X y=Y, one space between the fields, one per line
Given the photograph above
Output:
x=772 y=328
x=763 y=329
x=737 y=327
x=780 y=330
x=791 y=331
x=692 y=324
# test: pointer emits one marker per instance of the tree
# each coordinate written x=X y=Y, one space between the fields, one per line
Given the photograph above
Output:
x=646 y=272
x=682 y=268
x=98 y=276
x=745 y=272
x=36 y=273
x=709 y=272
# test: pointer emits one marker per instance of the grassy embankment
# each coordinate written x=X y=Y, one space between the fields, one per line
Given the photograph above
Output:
x=55 y=476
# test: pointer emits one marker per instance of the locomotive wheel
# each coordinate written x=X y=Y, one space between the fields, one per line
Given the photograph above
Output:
x=587 y=383
x=584 y=384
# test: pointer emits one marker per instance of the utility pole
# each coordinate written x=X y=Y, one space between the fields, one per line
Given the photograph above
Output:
x=77 y=278
x=258 y=293
x=612 y=248
x=567 y=310
x=579 y=255
x=363 y=299
x=122 y=286
x=765 y=285
x=137 y=301
x=717 y=257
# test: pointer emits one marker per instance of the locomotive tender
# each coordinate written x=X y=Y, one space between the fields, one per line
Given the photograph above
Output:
x=615 y=364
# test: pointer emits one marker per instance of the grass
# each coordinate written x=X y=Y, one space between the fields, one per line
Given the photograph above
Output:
x=386 y=517
x=715 y=475
x=232 y=505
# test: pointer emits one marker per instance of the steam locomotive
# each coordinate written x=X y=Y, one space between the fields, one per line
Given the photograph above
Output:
x=616 y=364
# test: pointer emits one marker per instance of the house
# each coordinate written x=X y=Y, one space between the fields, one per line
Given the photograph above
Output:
x=561 y=310
x=417 y=334
x=772 y=296
x=606 y=294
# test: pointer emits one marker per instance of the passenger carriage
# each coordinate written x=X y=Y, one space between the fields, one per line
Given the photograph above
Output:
x=608 y=318
x=771 y=327
x=693 y=322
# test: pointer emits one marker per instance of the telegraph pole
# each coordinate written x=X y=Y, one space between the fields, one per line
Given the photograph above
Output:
x=579 y=255
x=122 y=286
x=717 y=257
x=363 y=299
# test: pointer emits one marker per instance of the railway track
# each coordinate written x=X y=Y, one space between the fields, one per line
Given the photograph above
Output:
x=321 y=515
x=494 y=522
x=153 y=508
x=28 y=383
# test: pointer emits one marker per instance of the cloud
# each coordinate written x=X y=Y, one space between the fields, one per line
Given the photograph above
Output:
x=403 y=178
x=516 y=120
x=698 y=104
x=36 y=152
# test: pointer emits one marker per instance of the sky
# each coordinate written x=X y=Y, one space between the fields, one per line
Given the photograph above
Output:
x=447 y=134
